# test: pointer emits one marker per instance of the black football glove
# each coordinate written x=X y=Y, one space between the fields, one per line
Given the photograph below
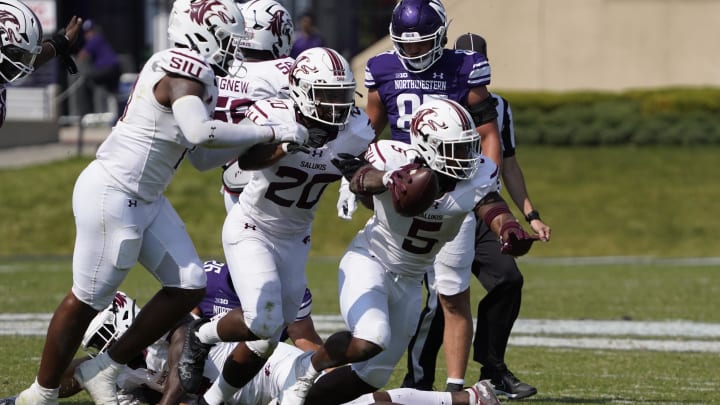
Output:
x=317 y=137
x=514 y=240
x=62 y=51
x=348 y=164
x=292 y=147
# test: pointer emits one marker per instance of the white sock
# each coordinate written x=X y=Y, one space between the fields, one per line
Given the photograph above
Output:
x=458 y=381
x=219 y=391
x=208 y=333
x=416 y=397
x=47 y=394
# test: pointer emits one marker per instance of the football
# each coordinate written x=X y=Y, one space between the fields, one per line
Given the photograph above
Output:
x=417 y=193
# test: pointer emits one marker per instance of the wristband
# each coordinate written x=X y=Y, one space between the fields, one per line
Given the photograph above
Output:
x=494 y=212
x=60 y=43
x=532 y=215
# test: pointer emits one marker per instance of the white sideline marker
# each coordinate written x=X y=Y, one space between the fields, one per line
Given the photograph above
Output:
x=668 y=336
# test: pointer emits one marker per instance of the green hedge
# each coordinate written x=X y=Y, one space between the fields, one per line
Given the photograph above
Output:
x=675 y=116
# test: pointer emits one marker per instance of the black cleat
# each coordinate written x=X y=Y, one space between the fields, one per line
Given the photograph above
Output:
x=7 y=401
x=192 y=359
x=505 y=383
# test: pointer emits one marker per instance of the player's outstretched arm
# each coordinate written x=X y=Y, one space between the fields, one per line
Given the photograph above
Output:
x=496 y=214
x=60 y=45
x=514 y=181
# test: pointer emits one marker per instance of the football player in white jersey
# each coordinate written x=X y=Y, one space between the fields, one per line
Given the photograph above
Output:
x=151 y=378
x=120 y=212
x=266 y=236
x=22 y=49
x=382 y=270
x=264 y=73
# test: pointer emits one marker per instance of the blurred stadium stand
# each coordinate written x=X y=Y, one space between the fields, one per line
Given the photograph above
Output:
x=544 y=45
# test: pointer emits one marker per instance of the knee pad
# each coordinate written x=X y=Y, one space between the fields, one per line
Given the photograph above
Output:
x=262 y=348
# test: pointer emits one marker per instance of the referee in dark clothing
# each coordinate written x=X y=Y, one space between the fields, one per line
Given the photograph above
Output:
x=498 y=273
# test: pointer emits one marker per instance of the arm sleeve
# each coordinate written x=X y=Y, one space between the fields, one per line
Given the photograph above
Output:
x=205 y=158
x=199 y=129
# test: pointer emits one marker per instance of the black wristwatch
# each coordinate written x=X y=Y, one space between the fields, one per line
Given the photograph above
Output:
x=532 y=215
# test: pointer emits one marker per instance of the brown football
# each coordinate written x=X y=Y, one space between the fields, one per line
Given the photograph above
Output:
x=422 y=190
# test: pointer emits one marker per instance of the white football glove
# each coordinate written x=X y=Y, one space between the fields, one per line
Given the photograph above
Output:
x=347 y=204
x=290 y=132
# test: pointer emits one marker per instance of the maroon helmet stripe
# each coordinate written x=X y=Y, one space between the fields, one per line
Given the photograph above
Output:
x=336 y=63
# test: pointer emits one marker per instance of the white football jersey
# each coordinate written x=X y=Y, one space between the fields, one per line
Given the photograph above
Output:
x=255 y=80
x=409 y=245
x=283 y=197
x=277 y=374
x=146 y=146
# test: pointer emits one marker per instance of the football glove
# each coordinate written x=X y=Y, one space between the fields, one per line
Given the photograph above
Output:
x=290 y=132
x=514 y=240
x=346 y=204
x=348 y=164
x=317 y=137
x=62 y=50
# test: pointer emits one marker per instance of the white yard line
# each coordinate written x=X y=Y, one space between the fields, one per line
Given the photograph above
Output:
x=670 y=336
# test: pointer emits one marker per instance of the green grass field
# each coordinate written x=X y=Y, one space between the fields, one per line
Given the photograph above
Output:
x=646 y=202
x=650 y=292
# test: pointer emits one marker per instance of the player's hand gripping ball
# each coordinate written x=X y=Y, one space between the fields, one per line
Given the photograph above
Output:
x=414 y=188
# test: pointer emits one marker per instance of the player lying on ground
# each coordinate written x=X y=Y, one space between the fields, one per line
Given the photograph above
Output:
x=150 y=377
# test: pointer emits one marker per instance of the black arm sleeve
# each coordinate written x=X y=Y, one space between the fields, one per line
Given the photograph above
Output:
x=484 y=111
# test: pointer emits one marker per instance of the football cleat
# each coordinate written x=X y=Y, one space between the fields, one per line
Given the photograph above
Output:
x=505 y=383
x=98 y=378
x=192 y=359
x=482 y=393
x=29 y=397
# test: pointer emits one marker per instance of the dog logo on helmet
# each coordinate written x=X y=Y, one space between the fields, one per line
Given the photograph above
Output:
x=424 y=120
x=202 y=10
x=304 y=65
x=277 y=23
x=10 y=27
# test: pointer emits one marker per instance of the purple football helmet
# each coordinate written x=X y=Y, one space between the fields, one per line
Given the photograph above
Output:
x=415 y=21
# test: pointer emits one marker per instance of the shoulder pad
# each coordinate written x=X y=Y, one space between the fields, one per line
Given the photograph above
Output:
x=389 y=155
x=271 y=111
x=186 y=63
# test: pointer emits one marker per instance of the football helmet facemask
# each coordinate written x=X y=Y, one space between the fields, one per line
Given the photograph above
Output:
x=268 y=27
x=444 y=134
x=416 y=21
x=20 y=40
x=213 y=28
x=322 y=86
x=109 y=324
